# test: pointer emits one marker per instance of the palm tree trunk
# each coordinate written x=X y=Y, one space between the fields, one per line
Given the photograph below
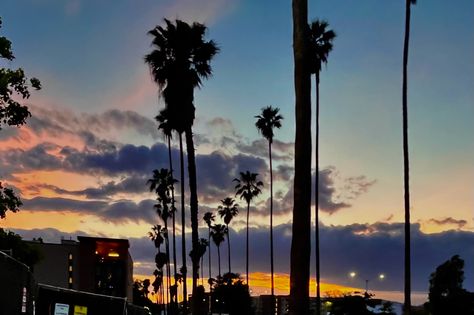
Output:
x=316 y=204
x=407 y=302
x=168 y=269
x=271 y=220
x=183 y=223
x=194 y=212
x=219 y=259
x=202 y=270
x=228 y=246
x=209 y=241
x=173 y=209
x=301 y=229
x=247 y=247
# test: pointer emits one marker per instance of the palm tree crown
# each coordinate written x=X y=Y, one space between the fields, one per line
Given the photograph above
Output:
x=228 y=210
x=247 y=186
x=267 y=121
x=321 y=44
x=180 y=60
x=209 y=217
x=161 y=184
x=218 y=233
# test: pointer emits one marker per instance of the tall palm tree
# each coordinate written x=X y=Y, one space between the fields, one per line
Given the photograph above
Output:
x=228 y=210
x=180 y=60
x=167 y=129
x=248 y=187
x=406 y=161
x=209 y=217
x=321 y=45
x=218 y=232
x=266 y=122
x=301 y=228
x=161 y=184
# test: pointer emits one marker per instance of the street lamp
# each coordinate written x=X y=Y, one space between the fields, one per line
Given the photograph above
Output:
x=353 y=274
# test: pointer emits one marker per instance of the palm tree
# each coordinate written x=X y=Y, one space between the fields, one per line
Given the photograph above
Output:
x=406 y=161
x=161 y=184
x=218 y=232
x=228 y=210
x=180 y=60
x=248 y=187
x=209 y=217
x=266 y=122
x=301 y=228
x=166 y=127
x=321 y=45
x=158 y=235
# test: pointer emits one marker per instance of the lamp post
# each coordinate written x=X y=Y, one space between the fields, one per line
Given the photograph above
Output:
x=380 y=277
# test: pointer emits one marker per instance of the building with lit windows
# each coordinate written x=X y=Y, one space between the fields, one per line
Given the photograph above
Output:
x=91 y=264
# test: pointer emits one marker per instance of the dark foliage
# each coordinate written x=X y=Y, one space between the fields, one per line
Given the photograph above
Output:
x=446 y=294
x=20 y=250
x=231 y=296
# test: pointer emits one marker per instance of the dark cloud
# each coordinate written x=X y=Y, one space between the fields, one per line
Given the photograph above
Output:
x=61 y=121
x=327 y=192
x=329 y=196
x=217 y=170
x=449 y=221
x=38 y=157
x=117 y=212
x=130 y=185
x=281 y=151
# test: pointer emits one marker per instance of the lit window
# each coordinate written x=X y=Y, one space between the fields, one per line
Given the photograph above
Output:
x=70 y=256
x=70 y=268
x=70 y=280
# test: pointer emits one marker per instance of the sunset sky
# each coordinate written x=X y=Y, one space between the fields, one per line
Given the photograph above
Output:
x=82 y=161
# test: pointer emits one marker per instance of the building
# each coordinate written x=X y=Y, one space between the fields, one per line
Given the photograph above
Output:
x=91 y=264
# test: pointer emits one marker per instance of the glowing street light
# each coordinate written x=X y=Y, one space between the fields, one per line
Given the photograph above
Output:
x=381 y=276
x=352 y=274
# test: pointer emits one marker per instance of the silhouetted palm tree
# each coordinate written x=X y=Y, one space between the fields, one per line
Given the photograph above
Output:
x=248 y=187
x=301 y=228
x=218 y=232
x=228 y=210
x=321 y=46
x=406 y=161
x=157 y=235
x=203 y=244
x=161 y=184
x=209 y=217
x=266 y=122
x=165 y=125
x=180 y=60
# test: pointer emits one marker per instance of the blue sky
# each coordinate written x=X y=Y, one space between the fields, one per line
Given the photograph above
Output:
x=89 y=57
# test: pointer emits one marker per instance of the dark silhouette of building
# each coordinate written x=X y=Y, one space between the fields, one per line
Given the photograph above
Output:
x=91 y=264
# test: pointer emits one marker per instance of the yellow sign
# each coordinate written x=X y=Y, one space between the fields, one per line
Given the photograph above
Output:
x=80 y=310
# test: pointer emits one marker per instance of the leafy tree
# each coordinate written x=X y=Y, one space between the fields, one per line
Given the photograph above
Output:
x=218 y=232
x=180 y=60
x=209 y=217
x=406 y=161
x=446 y=293
x=266 y=122
x=321 y=44
x=228 y=210
x=12 y=113
x=8 y=201
x=22 y=251
x=231 y=296
x=248 y=187
x=301 y=228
